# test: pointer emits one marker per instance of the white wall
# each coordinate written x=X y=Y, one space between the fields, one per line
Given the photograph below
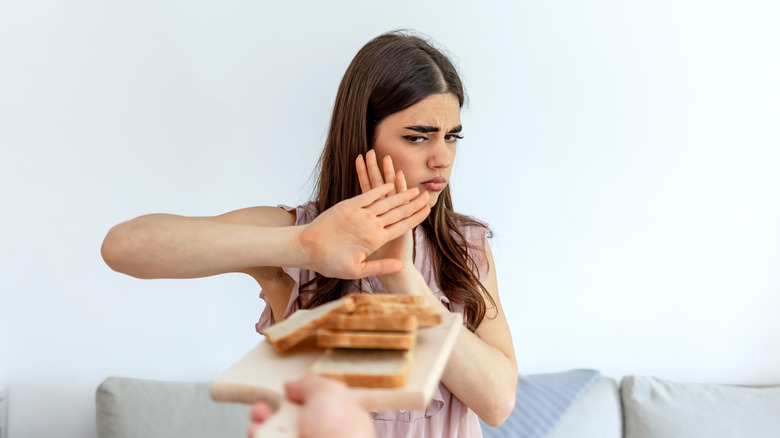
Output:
x=626 y=155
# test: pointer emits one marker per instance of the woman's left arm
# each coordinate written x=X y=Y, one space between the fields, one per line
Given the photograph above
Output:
x=482 y=369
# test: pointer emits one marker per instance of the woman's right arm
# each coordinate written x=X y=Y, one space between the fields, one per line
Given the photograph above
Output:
x=170 y=246
x=335 y=244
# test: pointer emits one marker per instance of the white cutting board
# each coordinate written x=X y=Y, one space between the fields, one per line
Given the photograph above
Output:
x=261 y=373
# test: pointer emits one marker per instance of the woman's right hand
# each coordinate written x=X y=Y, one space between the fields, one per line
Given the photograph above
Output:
x=340 y=240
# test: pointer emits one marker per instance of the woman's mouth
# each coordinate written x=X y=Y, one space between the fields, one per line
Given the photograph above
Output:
x=435 y=184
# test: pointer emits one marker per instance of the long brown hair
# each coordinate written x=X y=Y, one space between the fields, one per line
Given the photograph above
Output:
x=390 y=73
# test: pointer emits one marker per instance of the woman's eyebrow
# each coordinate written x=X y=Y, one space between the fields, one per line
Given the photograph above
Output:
x=424 y=129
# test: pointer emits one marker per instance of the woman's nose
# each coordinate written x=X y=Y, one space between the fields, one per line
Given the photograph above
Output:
x=442 y=154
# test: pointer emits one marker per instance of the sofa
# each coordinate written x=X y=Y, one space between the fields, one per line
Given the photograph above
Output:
x=634 y=407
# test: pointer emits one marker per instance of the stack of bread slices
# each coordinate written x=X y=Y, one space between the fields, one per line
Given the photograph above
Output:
x=368 y=339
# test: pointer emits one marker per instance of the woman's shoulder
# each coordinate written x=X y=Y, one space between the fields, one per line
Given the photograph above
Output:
x=303 y=214
x=474 y=230
x=476 y=234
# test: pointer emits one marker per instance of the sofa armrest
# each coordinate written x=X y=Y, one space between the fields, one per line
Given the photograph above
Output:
x=128 y=407
x=597 y=414
x=659 y=408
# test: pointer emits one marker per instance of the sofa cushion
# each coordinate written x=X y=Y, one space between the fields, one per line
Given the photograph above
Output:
x=541 y=400
x=594 y=415
x=129 y=407
x=656 y=408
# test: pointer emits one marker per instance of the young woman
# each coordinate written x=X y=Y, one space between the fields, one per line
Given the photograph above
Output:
x=382 y=222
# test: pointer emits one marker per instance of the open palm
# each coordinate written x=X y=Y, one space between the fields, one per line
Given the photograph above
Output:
x=342 y=242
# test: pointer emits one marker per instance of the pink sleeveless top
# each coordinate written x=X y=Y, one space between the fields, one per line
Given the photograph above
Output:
x=445 y=416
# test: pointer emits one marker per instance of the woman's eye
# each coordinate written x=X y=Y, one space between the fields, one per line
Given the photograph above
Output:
x=414 y=138
x=453 y=137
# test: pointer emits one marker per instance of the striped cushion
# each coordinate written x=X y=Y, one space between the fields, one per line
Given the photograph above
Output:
x=541 y=401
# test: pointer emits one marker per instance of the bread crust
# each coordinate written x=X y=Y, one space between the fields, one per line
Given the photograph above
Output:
x=366 y=340
x=357 y=367
x=391 y=309
x=286 y=334
x=426 y=315
x=367 y=298
x=381 y=323
x=361 y=381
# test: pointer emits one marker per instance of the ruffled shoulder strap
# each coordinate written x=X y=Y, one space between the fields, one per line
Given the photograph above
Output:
x=304 y=214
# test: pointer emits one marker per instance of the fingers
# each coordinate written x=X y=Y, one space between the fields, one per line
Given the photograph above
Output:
x=260 y=412
x=297 y=390
x=368 y=172
x=406 y=224
x=400 y=182
x=304 y=388
x=372 y=166
x=369 y=175
x=362 y=173
x=405 y=210
x=387 y=167
x=384 y=205
x=371 y=196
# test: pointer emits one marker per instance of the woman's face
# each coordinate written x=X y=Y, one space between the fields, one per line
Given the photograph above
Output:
x=422 y=140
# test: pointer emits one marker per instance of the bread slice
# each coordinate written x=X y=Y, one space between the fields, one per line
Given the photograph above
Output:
x=391 y=309
x=426 y=315
x=303 y=323
x=366 y=298
x=428 y=319
x=365 y=339
x=365 y=368
x=381 y=323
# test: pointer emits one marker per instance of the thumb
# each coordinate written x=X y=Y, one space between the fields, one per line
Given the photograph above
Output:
x=302 y=389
